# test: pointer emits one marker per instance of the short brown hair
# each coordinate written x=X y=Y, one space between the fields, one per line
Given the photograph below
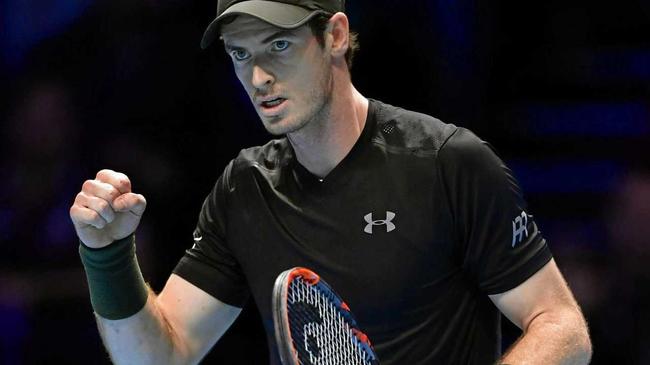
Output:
x=318 y=24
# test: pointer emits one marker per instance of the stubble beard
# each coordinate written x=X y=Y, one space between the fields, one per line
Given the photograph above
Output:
x=319 y=104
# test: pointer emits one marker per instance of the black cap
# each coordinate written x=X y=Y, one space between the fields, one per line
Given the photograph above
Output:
x=287 y=14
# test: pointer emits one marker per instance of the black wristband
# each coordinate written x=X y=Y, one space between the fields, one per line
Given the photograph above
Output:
x=117 y=288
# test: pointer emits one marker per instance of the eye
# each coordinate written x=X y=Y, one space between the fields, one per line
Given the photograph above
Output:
x=239 y=54
x=279 y=46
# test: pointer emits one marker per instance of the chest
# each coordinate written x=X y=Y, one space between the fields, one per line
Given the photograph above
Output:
x=381 y=238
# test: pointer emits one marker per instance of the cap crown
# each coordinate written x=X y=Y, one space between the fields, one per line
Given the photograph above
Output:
x=330 y=6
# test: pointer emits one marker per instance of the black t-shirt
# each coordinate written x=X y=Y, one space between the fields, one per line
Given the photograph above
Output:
x=413 y=228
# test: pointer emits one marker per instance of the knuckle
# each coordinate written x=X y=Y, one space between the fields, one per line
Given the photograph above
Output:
x=97 y=220
x=92 y=217
x=102 y=205
x=124 y=182
x=87 y=185
x=104 y=172
x=112 y=192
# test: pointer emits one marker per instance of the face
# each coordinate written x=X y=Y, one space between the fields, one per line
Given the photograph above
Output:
x=286 y=73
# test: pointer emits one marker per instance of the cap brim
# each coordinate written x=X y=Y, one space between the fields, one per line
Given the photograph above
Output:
x=281 y=15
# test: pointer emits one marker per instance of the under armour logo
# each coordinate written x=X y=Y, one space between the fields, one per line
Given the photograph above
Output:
x=197 y=238
x=519 y=230
x=388 y=222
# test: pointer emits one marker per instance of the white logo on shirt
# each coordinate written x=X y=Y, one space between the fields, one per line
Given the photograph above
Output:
x=197 y=238
x=519 y=229
x=388 y=222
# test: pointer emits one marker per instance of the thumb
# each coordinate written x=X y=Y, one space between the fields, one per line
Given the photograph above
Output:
x=130 y=202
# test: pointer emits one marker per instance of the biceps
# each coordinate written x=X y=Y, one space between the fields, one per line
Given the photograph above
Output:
x=544 y=292
x=197 y=318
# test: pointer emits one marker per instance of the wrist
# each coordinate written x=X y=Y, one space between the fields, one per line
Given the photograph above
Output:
x=117 y=288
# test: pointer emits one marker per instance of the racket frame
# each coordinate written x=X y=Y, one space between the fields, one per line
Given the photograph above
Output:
x=284 y=341
x=288 y=354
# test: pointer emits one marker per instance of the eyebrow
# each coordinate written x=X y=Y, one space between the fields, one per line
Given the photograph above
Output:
x=278 y=34
x=282 y=33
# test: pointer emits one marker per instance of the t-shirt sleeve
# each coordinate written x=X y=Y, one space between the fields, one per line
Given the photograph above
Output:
x=210 y=263
x=499 y=244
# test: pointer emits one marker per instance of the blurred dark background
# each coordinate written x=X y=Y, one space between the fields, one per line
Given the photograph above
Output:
x=560 y=88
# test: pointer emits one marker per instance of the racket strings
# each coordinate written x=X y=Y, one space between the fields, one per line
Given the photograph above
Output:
x=322 y=333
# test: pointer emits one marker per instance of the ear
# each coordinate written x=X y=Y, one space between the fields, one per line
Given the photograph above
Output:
x=338 y=34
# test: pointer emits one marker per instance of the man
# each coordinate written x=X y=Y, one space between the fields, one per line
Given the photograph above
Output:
x=415 y=222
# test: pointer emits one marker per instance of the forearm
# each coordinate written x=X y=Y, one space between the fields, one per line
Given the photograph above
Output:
x=137 y=326
x=132 y=324
x=558 y=338
x=144 y=338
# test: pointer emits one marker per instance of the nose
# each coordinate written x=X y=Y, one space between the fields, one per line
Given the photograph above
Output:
x=261 y=79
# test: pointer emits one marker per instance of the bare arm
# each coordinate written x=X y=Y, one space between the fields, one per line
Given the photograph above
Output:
x=179 y=326
x=555 y=332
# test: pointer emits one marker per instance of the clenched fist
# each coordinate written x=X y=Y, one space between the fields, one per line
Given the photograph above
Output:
x=106 y=210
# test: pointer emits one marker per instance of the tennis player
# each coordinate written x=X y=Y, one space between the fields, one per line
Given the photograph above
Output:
x=416 y=223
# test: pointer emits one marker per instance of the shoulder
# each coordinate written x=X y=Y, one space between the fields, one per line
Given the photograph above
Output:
x=402 y=129
x=465 y=161
x=455 y=149
x=465 y=150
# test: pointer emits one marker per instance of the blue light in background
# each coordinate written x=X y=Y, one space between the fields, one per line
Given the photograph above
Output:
x=6 y=220
x=619 y=65
x=24 y=24
x=625 y=119
x=552 y=177
x=581 y=233
x=455 y=25
x=15 y=329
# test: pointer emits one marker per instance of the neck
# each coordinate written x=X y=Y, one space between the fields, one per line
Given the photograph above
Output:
x=322 y=144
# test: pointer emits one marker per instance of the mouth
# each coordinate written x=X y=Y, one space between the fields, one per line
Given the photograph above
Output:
x=272 y=106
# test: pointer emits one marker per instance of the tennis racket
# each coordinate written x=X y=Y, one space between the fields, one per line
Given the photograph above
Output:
x=313 y=326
